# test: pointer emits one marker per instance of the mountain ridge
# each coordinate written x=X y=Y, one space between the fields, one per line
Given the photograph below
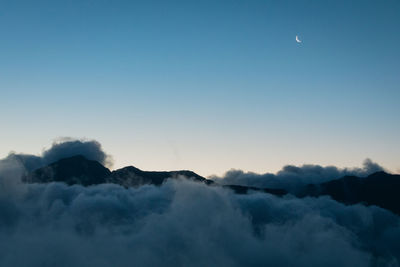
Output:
x=379 y=188
x=80 y=170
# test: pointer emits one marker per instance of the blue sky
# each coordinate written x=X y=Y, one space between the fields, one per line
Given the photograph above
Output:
x=204 y=85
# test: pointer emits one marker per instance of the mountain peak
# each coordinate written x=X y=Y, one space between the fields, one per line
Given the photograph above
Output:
x=72 y=170
x=80 y=170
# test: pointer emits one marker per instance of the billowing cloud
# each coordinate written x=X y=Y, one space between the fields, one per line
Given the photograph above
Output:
x=185 y=223
x=293 y=177
x=62 y=148
x=68 y=147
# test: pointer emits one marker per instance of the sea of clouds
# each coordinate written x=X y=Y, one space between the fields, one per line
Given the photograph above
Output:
x=184 y=223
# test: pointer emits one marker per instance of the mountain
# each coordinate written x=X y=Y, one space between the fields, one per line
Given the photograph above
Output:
x=73 y=170
x=240 y=189
x=131 y=176
x=79 y=170
x=380 y=189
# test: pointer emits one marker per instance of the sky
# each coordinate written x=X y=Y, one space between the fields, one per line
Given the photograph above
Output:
x=204 y=85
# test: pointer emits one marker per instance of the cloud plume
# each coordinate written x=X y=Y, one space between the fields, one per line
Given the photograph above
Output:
x=63 y=148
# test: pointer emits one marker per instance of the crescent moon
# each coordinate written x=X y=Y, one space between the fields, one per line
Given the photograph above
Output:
x=297 y=39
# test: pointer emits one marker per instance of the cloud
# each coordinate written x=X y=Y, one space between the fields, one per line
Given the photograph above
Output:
x=62 y=148
x=183 y=223
x=68 y=147
x=293 y=178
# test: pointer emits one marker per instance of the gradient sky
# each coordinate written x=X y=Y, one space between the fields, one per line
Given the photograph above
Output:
x=204 y=85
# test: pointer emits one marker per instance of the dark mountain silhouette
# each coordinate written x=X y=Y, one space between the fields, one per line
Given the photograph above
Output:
x=380 y=189
x=240 y=189
x=131 y=176
x=73 y=170
x=79 y=170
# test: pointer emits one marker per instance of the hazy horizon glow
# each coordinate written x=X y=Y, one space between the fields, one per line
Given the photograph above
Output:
x=204 y=86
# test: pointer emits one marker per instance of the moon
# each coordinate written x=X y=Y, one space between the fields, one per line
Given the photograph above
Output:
x=297 y=39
